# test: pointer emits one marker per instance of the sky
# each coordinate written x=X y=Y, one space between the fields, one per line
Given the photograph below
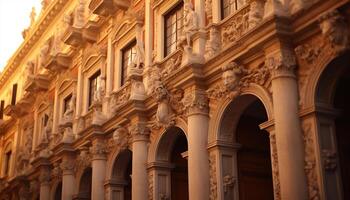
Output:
x=14 y=18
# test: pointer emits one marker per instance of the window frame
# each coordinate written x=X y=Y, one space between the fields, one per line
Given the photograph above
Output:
x=95 y=77
x=14 y=94
x=124 y=68
x=173 y=11
x=2 y=108
x=236 y=4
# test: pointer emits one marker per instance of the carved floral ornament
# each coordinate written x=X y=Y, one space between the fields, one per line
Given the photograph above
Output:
x=99 y=148
x=235 y=77
x=196 y=101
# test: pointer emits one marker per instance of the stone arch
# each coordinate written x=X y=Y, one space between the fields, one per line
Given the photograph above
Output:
x=85 y=184
x=326 y=87
x=152 y=155
x=118 y=183
x=169 y=169
x=215 y=130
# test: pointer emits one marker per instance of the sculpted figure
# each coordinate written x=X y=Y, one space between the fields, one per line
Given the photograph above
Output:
x=100 y=92
x=32 y=16
x=44 y=51
x=79 y=18
x=68 y=115
x=213 y=44
x=232 y=75
x=162 y=96
x=140 y=51
x=190 y=21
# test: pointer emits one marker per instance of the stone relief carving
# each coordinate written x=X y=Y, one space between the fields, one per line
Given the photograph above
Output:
x=256 y=13
x=233 y=29
x=120 y=139
x=120 y=97
x=47 y=129
x=139 y=129
x=67 y=165
x=196 y=100
x=229 y=183
x=329 y=159
x=235 y=77
x=171 y=65
x=56 y=172
x=83 y=160
x=275 y=171
x=213 y=45
x=283 y=59
x=79 y=15
x=212 y=173
x=44 y=176
x=307 y=52
x=209 y=11
x=335 y=30
x=24 y=153
x=69 y=113
x=99 y=148
x=310 y=161
x=45 y=51
x=150 y=186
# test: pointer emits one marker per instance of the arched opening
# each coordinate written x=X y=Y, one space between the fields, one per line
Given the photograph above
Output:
x=58 y=191
x=243 y=151
x=172 y=180
x=121 y=176
x=85 y=185
x=333 y=126
x=253 y=157
x=342 y=128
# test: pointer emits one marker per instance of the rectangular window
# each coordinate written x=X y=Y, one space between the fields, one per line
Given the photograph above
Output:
x=230 y=6
x=66 y=102
x=173 y=29
x=2 y=106
x=14 y=94
x=94 y=83
x=7 y=162
x=128 y=54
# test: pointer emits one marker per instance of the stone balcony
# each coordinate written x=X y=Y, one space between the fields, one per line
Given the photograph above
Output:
x=21 y=107
x=37 y=83
x=107 y=7
x=73 y=36
x=59 y=62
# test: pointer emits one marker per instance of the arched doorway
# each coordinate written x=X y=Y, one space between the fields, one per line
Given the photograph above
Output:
x=242 y=151
x=121 y=176
x=253 y=157
x=58 y=191
x=85 y=185
x=333 y=127
x=171 y=169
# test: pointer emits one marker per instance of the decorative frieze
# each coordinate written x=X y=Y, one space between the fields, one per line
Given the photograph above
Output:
x=83 y=160
x=236 y=77
x=212 y=174
x=99 y=149
x=213 y=45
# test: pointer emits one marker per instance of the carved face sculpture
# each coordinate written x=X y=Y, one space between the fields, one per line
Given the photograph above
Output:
x=160 y=91
x=230 y=79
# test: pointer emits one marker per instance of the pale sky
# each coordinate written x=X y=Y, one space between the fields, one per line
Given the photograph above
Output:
x=14 y=17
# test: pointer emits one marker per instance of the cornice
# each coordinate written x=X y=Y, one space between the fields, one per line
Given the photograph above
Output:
x=45 y=19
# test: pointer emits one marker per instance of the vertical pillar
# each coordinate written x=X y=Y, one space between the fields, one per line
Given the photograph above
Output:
x=110 y=61
x=289 y=141
x=68 y=178
x=148 y=41
x=99 y=161
x=79 y=89
x=199 y=44
x=198 y=159
x=44 y=184
x=139 y=161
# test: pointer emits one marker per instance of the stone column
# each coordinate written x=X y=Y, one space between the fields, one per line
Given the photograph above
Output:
x=45 y=186
x=99 y=161
x=140 y=136
x=198 y=160
x=68 y=179
x=289 y=141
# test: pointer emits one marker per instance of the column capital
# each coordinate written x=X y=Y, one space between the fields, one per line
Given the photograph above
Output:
x=67 y=166
x=99 y=149
x=196 y=102
x=139 y=131
x=44 y=176
x=281 y=62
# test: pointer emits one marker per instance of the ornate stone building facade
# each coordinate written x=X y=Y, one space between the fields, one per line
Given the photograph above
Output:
x=173 y=99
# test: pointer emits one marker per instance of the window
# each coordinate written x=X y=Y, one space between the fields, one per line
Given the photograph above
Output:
x=66 y=102
x=14 y=94
x=44 y=120
x=173 y=28
x=230 y=6
x=2 y=105
x=129 y=53
x=94 y=83
x=7 y=162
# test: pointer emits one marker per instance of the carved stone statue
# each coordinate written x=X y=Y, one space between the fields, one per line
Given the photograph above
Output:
x=232 y=75
x=121 y=137
x=44 y=52
x=213 y=44
x=68 y=115
x=79 y=16
x=256 y=13
x=139 y=58
x=29 y=70
x=100 y=92
x=162 y=96
x=190 y=21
